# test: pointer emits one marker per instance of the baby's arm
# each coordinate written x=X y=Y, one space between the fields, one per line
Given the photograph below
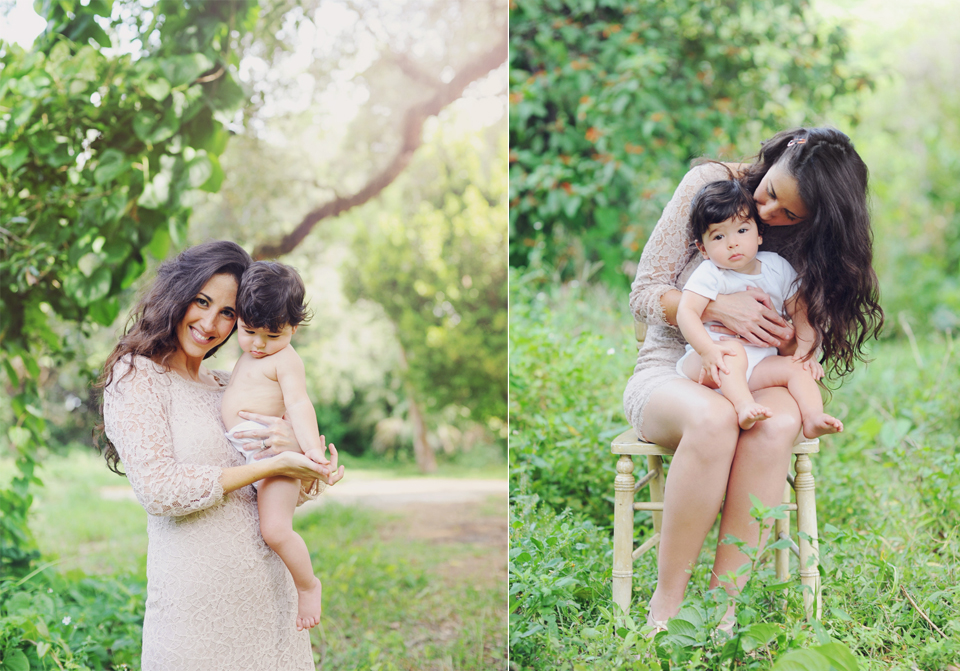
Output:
x=292 y=377
x=806 y=336
x=689 y=319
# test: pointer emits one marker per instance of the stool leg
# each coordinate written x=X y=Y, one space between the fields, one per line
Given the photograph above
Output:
x=809 y=549
x=783 y=529
x=623 y=533
x=655 y=465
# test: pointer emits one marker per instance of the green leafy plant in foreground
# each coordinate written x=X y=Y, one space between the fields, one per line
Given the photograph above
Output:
x=887 y=492
x=72 y=621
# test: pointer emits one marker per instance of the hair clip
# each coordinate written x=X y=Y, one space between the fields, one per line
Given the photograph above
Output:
x=802 y=140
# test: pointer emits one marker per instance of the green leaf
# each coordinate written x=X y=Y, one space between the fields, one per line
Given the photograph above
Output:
x=199 y=171
x=160 y=244
x=112 y=163
x=11 y=372
x=216 y=175
x=757 y=635
x=15 y=660
x=104 y=311
x=802 y=660
x=156 y=193
x=12 y=158
x=42 y=648
x=180 y=70
x=86 y=290
x=157 y=88
x=839 y=656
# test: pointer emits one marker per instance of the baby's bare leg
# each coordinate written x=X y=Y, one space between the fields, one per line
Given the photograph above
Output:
x=276 y=501
x=783 y=371
x=733 y=386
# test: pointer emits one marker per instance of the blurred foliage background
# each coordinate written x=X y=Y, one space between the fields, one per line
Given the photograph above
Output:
x=610 y=101
x=365 y=145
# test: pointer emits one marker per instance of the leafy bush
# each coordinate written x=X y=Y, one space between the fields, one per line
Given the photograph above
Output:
x=72 y=621
x=563 y=407
x=611 y=99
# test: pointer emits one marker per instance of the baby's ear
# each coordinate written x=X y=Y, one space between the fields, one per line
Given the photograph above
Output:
x=703 y=250
x=295 y=329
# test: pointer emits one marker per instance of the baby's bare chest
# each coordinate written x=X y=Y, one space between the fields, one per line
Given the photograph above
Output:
x=253 y=388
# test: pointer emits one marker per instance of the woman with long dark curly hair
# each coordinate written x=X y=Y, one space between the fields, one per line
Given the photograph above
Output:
x=810 y=189
x=217 y=596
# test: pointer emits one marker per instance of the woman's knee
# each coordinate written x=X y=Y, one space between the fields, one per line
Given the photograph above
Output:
x=777 y=433
x=713 y=429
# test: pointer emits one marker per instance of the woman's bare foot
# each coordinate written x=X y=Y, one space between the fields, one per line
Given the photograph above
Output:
x=749 y=414
x=820 y=425
x=308 y=606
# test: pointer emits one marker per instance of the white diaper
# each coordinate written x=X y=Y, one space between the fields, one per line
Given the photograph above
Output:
x=238 y=443
x=754 y=356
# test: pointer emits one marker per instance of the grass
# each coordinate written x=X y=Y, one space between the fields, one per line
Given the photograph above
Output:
x=888 y=504
x=391 y=601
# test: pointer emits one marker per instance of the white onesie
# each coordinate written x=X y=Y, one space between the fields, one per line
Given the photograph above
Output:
x=777 y=277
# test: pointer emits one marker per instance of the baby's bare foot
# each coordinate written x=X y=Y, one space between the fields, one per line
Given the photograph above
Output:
x=308 y=606
x=820 y=425
x=749 y=414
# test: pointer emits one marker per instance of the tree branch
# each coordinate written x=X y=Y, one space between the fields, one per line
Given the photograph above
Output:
x=412 y=138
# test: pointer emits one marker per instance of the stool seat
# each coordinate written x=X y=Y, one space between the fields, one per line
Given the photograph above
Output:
x=628 y=443
x=627 y=446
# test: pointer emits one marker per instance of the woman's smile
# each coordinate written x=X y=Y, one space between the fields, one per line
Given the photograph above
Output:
x=210 y=318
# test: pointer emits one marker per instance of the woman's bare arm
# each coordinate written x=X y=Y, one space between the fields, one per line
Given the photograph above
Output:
x=289 y=464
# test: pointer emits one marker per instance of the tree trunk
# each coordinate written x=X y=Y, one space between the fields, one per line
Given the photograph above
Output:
x=426 y=460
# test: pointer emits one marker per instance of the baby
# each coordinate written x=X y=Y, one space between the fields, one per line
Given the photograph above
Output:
x=270 y=379
x=723 y=222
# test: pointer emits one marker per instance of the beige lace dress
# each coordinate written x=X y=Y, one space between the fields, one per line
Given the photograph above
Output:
x=217 y=596
x=669 y=258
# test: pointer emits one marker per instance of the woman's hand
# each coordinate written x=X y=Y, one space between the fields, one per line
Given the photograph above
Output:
x=295 y=465
x=750 y=315
x=277 y=435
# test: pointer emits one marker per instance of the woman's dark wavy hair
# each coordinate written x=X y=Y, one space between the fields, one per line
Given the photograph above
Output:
x=152 y=327
x=835 y=243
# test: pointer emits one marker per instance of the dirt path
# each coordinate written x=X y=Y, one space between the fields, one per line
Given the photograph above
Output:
x=441 y=511
x=437 y=510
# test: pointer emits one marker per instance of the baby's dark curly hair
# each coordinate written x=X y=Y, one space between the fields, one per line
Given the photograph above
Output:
x=719 y=201
x=271 y=296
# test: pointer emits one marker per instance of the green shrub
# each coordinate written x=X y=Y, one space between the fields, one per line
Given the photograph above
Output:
x=48 y=620
x=566 y=377
x=611 y=99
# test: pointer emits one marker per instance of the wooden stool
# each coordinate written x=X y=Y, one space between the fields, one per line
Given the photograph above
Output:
x=626 y=445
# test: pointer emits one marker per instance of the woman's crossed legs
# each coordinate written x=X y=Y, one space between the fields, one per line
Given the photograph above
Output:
x=714 y=462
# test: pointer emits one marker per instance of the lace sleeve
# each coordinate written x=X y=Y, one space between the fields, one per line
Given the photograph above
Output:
x=668 y=250
x=310 y=490
x=136 y=419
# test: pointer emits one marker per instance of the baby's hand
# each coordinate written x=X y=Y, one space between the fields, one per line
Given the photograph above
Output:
x=712 y=364
x=319 y=454
x=811 y=365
